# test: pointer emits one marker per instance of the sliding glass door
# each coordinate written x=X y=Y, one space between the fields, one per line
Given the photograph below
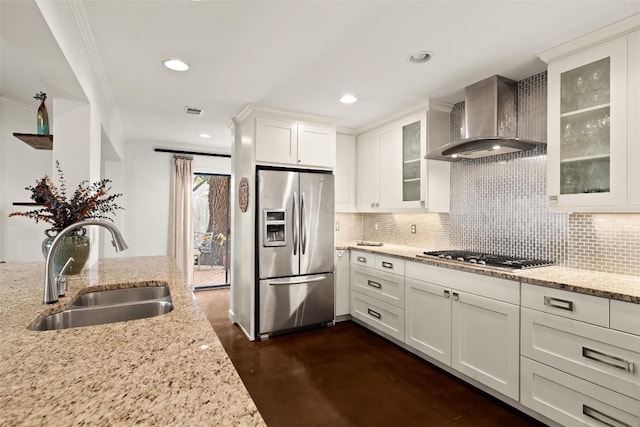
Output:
x=211 y=226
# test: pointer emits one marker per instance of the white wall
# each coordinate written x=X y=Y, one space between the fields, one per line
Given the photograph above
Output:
x=20 y=165
x=147 y=188
x=242 y=308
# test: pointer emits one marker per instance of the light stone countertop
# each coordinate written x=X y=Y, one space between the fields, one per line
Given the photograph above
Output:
x=606 y=285
x=165 y=370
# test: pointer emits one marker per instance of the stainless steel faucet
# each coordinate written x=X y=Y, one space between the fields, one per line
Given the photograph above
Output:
x=51 y=282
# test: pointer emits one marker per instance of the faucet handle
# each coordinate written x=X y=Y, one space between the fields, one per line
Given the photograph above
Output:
x=61 y=280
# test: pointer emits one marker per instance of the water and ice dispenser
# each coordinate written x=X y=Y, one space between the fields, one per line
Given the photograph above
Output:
x=275 y=224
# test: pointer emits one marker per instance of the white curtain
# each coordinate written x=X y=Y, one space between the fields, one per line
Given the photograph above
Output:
x=181 y=233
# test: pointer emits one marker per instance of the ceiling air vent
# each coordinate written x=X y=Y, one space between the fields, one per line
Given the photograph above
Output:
x=193 y=111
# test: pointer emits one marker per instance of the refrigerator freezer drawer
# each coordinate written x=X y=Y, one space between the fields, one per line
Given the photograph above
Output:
x=295 y=302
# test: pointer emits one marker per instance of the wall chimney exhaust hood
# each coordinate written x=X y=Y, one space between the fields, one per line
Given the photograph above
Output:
x=491 y=123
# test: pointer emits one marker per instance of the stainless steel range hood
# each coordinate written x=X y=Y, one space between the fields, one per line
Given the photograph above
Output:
x=491 y=123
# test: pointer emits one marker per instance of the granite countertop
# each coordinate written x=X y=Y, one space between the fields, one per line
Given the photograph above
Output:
x=606 y=285
x=164 y=370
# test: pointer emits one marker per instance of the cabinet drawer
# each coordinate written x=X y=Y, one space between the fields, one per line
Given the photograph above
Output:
x=572 y=401
x=385 y=287
x=390 y=265
x=380 y=315
x=363 y=258
x=586 y=308
x=603 y=356
x=478 y=284
x=625 y=316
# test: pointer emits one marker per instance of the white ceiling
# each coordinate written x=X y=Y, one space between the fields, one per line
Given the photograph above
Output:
x=293 y=55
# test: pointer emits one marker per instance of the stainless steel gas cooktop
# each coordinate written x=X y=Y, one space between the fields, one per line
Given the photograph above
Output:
x=490 y=260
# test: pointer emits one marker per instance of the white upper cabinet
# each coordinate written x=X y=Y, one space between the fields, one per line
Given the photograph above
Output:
x=593 y=142
x=367 y=167
x=316 y=145
x=295 y=143
x=392 y=174
x=345 y=173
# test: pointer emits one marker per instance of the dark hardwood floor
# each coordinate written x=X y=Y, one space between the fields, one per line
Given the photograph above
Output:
x=348 y=376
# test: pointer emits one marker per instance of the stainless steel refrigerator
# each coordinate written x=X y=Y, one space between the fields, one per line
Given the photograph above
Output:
x=295 y=217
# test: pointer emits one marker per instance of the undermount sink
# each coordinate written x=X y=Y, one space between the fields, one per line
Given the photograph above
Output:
x=110 y=306
x=120 y=296
x=99 y=315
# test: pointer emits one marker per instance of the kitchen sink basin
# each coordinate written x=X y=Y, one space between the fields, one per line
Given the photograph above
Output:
x=101 y=314
x=120 y=296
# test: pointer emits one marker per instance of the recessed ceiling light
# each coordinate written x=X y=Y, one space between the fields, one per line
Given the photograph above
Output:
x=496 y=147
x=348 y=99
x=176 y=65
x=204 y=135
x=420 y=57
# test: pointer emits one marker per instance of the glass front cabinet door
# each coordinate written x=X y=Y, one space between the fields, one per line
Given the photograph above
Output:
x=587 y=127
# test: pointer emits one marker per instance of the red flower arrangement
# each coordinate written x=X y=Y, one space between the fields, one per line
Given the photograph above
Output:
x=88 y=202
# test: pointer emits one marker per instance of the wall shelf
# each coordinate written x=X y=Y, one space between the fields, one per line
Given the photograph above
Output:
x=27 y=204
x=39 y=142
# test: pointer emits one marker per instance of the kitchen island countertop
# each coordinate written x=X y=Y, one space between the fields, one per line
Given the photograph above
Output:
x=165 y=370
x=606 y=285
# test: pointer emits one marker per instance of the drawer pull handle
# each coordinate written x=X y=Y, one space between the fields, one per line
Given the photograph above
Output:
x=362 y=259
x=374 y=284
x=607 y=359
x=447 y=294
x=387 y=264
x=602 y=417
x=374 y=313
x=456 y=296
x=558 y=303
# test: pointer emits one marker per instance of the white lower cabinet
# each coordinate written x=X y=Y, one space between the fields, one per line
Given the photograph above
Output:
x=576 y=368
x=572 y=401
x=474 y=334
x=383 y=286
x=427 y=325
x=377 y=292
x=380 y=315
x=601 y=355
x=484 y=343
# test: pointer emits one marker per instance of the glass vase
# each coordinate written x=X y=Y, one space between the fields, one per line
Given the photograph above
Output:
x=76 y=245
x=43 y=119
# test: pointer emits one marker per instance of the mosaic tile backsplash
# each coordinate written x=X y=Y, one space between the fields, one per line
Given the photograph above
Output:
x=498 y=205
x=395 y=228
x=605 y=242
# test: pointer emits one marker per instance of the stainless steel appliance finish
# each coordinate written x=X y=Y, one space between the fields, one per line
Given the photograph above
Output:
x=491 y=123
x=296 y=247
x=293 y=302
x=488 y=260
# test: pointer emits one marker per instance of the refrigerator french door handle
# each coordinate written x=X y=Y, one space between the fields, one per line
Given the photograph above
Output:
x=297 y=282
x=294 y=225
x=303 y=248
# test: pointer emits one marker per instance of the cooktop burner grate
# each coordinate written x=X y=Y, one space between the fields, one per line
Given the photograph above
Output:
x=491 y=260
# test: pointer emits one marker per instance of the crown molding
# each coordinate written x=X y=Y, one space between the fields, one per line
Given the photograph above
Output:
x=428 y=105
x=604 y=34
x=258 y=110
